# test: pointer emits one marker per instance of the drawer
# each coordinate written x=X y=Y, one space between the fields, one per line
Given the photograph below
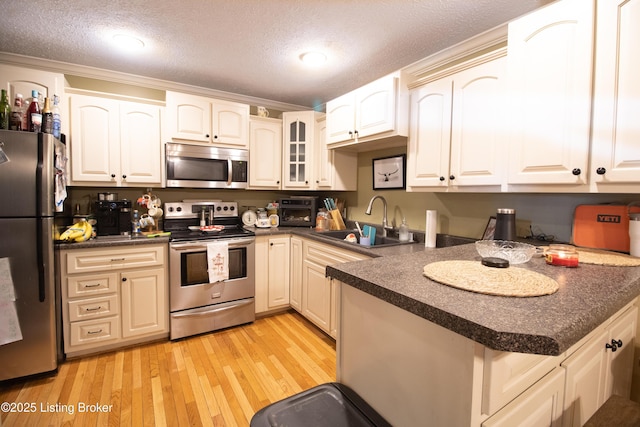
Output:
x=100 y=259
x=507 y=375
x=328 y=255
x=92 y=285
x=93 y=308
x=94 y=331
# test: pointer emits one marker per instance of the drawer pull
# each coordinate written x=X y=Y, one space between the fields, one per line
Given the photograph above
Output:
x=99 y=331
x=93 y=309
x=95 y=285
x=117 y=259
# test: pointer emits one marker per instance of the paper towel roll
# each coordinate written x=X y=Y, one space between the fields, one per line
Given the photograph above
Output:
x=431 y=229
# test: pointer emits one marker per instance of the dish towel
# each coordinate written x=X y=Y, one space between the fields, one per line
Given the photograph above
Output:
x=218 y=261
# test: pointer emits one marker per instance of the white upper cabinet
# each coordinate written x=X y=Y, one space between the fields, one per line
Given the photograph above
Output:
x=334 y=169
x=550 y=64
x=265 y=153
x=196 y=119
x=375 y=111
x=455 y=138
x=114 y=143
x=299 y=129
x=615 y=147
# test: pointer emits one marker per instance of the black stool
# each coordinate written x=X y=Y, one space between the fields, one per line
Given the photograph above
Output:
x=326 y=405
x=617 y=411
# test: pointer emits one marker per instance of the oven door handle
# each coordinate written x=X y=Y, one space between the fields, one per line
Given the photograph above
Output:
x=211 y=311
x=233 y=243
x=229 y=171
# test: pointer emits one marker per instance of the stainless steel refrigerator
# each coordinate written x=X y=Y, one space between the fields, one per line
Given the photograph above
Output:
x=30 y=168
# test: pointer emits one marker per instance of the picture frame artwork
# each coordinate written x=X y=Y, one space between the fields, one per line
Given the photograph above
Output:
x=490 y=229
x=389 y=173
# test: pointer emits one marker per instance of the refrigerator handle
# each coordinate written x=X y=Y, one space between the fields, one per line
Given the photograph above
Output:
x=41 y=261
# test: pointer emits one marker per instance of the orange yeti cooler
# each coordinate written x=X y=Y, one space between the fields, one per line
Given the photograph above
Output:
x=603 y=226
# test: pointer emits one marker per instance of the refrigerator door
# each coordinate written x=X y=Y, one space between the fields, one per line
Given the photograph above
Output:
x=28 y=175
x=28 y=343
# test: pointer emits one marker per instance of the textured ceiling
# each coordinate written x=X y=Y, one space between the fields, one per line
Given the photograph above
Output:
x=251 y=47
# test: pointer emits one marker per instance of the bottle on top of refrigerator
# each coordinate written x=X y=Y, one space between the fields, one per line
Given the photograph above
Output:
x=47 y=117
x=34 y=114
x=17 y=113
x=5 y=111
x=56 y=116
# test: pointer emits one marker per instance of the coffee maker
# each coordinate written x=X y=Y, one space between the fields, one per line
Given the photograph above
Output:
x=113 y=217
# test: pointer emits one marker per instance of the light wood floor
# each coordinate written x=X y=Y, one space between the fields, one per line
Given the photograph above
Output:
x=218 y=379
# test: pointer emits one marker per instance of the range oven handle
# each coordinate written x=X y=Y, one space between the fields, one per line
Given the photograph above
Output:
x=229 y=171
x=211 y=311
x=233 y=243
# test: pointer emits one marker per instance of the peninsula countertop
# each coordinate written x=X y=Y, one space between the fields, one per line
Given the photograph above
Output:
x=548 y=325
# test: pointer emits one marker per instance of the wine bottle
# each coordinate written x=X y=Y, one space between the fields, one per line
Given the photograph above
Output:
x=34 y=114
x=5 y=111
x=47 y=117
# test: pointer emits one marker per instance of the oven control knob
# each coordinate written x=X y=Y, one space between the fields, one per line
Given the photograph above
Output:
x=232 y=208
x=179 y=209
x=226 y=208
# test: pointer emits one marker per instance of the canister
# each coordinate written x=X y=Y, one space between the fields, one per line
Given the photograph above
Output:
x=505 y=224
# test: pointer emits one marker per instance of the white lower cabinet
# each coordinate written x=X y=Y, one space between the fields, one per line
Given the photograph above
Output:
x=295 y=276
x=272 y=272
x=319 y=297
x=540 y=405
x=388 y=356
x=112 y=297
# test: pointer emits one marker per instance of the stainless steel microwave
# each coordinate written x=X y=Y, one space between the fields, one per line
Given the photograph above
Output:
x=197 y=166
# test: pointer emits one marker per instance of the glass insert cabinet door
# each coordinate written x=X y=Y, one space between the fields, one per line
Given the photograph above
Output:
x=297 y=152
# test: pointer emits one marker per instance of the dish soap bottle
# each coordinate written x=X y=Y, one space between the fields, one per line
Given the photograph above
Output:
x=403 y=231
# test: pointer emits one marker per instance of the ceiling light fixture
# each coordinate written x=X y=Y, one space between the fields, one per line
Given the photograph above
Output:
x=127 y=42
x=313 y=58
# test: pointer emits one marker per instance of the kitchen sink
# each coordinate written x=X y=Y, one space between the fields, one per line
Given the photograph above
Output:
x=379 y=241
x=442 y=240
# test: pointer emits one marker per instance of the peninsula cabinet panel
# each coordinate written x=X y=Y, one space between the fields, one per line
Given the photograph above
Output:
x=550 y=62
x=616 y=128
x=295 y=292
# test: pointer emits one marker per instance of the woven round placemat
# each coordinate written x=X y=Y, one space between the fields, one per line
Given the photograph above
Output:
x=601 y=257
x=475 y=277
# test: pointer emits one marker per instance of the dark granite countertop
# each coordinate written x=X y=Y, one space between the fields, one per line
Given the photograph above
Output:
x=549 y=325
x=107 y=241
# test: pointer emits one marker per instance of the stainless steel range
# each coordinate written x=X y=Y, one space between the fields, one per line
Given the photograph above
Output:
x=199 y=304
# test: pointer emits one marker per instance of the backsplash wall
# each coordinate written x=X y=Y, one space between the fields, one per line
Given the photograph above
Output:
x=467 y=214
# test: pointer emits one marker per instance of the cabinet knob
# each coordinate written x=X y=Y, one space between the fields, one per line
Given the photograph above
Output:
x=124 y=279
x=576 y=171
x=614 y=345
x=215 y=136
x=442 y=178
x=350 y=134
x=356 y=132
x=124 y=176
x=271 y=244
x=113 y=175
x=278 y=182
x=452 y=177
x=206 y=136
x=601 y=171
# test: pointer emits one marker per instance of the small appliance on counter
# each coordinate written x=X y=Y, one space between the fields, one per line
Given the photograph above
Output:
x=298 y=211
x=603 y=226
x=113 y=217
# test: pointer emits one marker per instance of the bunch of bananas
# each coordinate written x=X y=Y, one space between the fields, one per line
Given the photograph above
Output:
x=78 y=232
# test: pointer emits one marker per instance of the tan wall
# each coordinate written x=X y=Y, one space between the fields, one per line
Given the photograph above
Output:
x=466 y=214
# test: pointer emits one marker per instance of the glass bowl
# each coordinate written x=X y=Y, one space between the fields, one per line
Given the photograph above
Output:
x=514 y=252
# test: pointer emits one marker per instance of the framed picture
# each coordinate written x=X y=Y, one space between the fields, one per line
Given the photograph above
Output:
x=490 y=229
x=389 y=173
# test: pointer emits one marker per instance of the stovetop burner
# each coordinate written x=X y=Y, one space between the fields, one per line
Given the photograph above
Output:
x=179 y=216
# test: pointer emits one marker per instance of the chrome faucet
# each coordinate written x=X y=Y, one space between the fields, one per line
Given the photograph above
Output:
x=385 y=225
